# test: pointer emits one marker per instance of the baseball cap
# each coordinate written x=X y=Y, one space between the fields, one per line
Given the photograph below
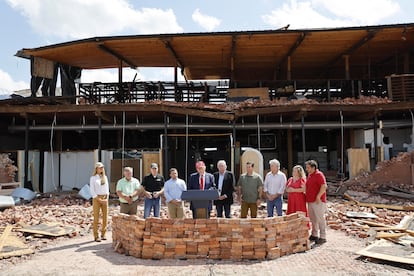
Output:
x=154 y=166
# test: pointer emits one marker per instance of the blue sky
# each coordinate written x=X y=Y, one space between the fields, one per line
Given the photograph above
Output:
x=34 y=23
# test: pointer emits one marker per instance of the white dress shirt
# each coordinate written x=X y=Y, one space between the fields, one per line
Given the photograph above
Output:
x=275 y=183
x=96 y=187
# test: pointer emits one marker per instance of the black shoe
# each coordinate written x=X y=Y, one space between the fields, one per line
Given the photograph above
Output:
x=103 y=238
x=313 y=238
x=98 y=240
x=321 y=241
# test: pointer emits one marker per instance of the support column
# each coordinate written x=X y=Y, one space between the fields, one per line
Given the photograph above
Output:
x=347 y=75
x=406 y=63
x=303 y=139
x=175 y=83
x=99 y=139
x=165 y=146
x=289 y=68
x=290 y=149
x=26 y=152
x=233 y=160
x=375 y=139
x=121 y=97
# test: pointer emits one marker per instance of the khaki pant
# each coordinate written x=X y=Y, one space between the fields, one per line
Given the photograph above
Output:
x=175 y=211
x=129 y=209
x=245 y=206
x=97 y=206
x=317 y=219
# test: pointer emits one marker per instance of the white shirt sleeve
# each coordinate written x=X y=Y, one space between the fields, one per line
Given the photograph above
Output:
x=92 y=181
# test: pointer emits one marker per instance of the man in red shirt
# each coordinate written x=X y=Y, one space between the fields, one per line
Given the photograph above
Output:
x=316 y=199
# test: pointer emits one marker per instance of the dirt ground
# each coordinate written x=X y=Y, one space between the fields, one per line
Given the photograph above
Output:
x=82 y=256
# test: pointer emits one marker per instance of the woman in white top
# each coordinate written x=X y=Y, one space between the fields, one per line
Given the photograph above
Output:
x=99 y=187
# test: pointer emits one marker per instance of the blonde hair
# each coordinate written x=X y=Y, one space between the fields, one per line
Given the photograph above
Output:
x=300 y=171
x=102 y=175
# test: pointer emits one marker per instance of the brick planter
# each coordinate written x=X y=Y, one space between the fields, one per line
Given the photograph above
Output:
x=230 y=239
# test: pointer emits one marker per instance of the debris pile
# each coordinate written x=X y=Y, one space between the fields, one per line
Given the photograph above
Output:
x=7 y=169
x=233 y=106
x=396 y=171
x=357 y=220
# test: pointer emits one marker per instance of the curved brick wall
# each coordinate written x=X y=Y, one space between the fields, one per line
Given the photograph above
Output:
x=234 y=239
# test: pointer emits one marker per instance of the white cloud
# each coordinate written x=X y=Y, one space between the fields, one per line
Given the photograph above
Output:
x=109 y=75
x=81 y=19
x=366 y=12
x=143 y=74
x=205 y=21
x=8 y=85
x=331 y=13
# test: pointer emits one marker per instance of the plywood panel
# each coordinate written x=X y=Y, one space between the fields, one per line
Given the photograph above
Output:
x=255 y=156
x=147 y=159
x=358 y=160
x=259 y=92
x=117 y=171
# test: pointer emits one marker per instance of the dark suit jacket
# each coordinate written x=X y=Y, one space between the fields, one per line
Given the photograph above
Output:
x=227 y=189
x=194 y=183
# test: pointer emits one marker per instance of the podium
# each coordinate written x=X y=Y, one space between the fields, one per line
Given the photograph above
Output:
x=200 y=200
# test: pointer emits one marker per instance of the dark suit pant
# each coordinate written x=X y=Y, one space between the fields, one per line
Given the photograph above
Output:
x=223 y=206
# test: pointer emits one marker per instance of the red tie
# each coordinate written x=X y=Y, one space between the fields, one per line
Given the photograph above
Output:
x=201 y=183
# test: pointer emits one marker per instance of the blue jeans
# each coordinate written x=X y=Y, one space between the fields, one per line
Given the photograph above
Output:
x=271 y=204
x=150 y=203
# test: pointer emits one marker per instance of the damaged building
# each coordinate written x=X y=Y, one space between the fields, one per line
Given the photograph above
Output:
x=291 y=94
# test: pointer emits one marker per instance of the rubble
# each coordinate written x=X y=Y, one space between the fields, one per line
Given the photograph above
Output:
x=395 y=172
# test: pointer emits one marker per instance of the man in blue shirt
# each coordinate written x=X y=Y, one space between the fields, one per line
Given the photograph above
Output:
x=173 y=189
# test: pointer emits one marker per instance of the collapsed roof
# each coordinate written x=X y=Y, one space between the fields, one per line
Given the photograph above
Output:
x=368 y=52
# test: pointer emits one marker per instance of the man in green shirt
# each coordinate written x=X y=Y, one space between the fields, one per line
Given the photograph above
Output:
x=249 y=190
x=128 y=190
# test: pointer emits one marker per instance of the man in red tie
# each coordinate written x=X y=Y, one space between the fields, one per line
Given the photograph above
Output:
x=200 y=180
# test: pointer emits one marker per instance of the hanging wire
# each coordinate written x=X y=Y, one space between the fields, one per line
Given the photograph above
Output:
x=342 y=145
x=186 y=147
x=258 y=131
x=51 y=152
x=123 y=139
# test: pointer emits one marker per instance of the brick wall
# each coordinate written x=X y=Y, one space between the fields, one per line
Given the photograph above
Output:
x=234 y=239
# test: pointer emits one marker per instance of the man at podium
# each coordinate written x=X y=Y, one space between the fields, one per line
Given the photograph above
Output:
x=201 y=180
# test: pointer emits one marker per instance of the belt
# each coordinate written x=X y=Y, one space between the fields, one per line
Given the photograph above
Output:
x=102 y=196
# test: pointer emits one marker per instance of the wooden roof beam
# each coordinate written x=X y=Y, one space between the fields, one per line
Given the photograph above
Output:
x=116 y=55
x=370 y=35
x=174 y=54
x=292 y=49
x=232 y=57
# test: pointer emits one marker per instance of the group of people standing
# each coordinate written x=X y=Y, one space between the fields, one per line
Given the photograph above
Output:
x=305 y=194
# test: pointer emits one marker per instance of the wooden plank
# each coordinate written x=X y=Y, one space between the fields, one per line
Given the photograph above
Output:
x=386 y=250
x=376 y=205
x=358 y=160
x=258 y=92
x=48 y=229
x=4 y=236
x=147 y=159
x=386 y=235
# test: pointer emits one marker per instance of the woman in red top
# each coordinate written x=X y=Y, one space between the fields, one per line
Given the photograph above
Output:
x=296 y=191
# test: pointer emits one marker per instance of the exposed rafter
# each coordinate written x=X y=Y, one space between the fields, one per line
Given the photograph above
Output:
x=117 y=55
x=232 y=56
x=173 y=53
x=292 y=49
x=370 y=35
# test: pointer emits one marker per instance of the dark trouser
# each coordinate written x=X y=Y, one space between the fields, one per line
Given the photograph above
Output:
x=245 y=206
x=129 y=209
x=220 y=207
